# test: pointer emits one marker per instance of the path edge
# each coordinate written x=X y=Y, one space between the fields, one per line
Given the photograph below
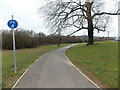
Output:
x=26 y=71
x=81 y=71
x=67 y=59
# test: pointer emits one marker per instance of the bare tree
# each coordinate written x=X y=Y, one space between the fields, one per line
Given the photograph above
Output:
x=89 y=15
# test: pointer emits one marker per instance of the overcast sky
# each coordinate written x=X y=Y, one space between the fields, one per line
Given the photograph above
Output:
x=26 y=13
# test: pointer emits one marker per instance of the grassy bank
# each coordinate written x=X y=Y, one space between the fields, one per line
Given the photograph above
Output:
x=99 y=62
x=25 y=57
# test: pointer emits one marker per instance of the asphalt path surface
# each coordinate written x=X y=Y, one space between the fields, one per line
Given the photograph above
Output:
x=53 y=70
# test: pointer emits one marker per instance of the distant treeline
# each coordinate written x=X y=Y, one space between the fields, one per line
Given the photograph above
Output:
x=30 y=39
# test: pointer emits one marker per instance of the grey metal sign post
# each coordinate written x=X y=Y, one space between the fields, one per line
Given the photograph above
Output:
x=13 y=24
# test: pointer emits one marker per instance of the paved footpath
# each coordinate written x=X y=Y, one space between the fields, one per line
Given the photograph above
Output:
x=53 y=70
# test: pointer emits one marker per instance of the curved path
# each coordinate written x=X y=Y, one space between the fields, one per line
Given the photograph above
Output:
x=53 y=70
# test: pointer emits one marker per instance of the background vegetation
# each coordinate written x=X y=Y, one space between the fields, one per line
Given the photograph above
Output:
x=30 y=39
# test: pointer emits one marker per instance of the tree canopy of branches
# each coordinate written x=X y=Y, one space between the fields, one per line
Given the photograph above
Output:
x=63 y=14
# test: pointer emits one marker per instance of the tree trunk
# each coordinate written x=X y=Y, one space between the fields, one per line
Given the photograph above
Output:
x=90 y=32
x=90 y=24
x=59 y=41
x=58 y=45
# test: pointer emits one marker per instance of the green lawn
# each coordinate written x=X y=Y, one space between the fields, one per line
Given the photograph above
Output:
x=99 y=62
x=25 y=57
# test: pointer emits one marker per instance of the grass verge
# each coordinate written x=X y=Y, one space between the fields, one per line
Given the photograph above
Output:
x=99 y=62
x=25 y=57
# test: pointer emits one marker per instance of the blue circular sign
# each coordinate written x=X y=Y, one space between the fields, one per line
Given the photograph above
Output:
x=12 y=24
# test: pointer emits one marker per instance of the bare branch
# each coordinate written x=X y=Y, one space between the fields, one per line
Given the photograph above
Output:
x=77 y=31
x=102 y=13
